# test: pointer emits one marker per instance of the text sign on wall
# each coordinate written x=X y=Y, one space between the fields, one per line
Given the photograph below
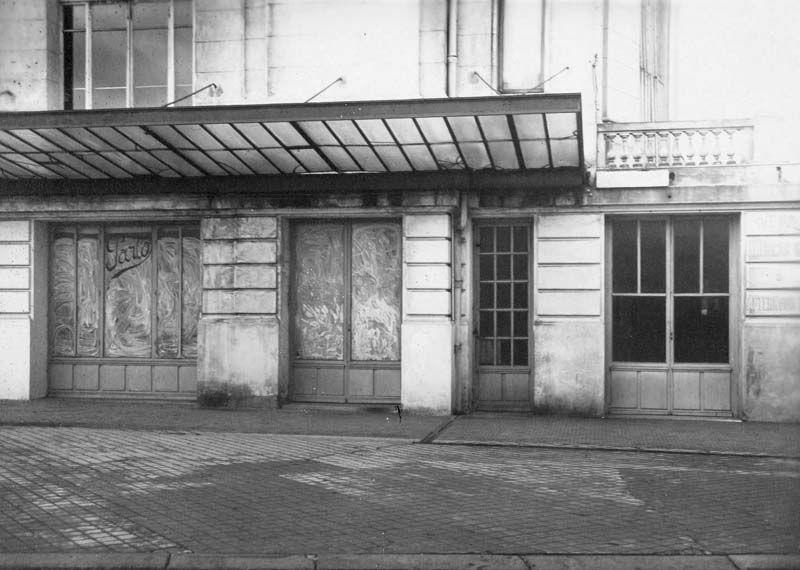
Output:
x=773 y=303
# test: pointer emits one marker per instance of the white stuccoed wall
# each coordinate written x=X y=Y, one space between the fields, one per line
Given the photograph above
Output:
x=427 y=329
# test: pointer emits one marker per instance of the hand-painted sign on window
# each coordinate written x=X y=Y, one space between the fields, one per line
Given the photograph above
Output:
x=119 y=299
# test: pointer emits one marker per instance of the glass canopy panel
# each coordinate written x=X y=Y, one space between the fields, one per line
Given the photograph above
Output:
x=562 y=125
x=36 y=140
x=475 y=154
x=504 y=155
x=61 y=139
x=231 y=139
x=256 y=161
x=141 y=137
x=84 y=168
x=565 y=152
x=258 y=135
x=177 y=162
x=229 y=162
x=435 y=129
x=287 y=134
x=115 y=140
x=338 y=155
x=284 y=161
x=447 y=156
x=495 y=127
x=29 y=164
x=311 y=159
x=14 y=169
x=393 y=158
x=88 y=138
x=534 y=153
x=14 y=143
x=318 y=132
x=405 y=131
x=420 y=157
x=465 y=128
x=172 y=137
x=530 y=126
x=367 y=159
x=199 y=137
x=204 y=163
x=375 y=131
x=347 y=132
x=104 y=165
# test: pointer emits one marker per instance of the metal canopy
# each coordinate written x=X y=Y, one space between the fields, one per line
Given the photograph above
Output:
x=518 y=132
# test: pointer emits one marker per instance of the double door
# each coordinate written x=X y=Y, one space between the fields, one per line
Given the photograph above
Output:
x=670 y=304
x=345 y=305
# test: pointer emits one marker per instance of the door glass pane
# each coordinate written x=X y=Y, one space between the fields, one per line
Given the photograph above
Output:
x=521 y=352
x=715 y=256
x=319 y=314
x=128 y=294
x=486 y=267
x=701 y=329
x=521 y=295
x=168 y=293
x=487 y=239
x=62 y=294
x=503 y=239
x=504 y=267
x=653 y=257
x=504 y=323
x=624 y=258
x=521 y=239
x=503 y=352
x=89 y=288
x=192 y=291
x=639 y=327
x=687 y=256
x=375 y=311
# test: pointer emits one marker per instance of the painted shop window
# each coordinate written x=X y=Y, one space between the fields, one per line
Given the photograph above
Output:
x=127 y=54
x=347 y=291
x=521 y=39
x=114 y=294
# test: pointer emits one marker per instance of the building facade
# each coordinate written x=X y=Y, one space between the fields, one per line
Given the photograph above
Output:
x=443 y=204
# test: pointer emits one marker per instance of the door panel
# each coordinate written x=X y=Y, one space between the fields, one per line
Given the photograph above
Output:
x=346 y=312
x=503 y=316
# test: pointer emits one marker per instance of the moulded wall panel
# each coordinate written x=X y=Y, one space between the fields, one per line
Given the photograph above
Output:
x=248 y=251
x=330 y=381
x=14 y=277
x=773 y=222
x=15 y=230
x=653 y=389
x=624 y=389
x=15 y=254
x=14 y=301
x=218 y=276
x=387 y=383
x=255 y=301
x=568 y=303
x=490 y=387
x=427 y=251
x=138 y=378
x=304 y=381
x=716 y=390
x=772 y=275
x=571 y=225
x=60 y=376
x=359 y=382
x=112 y=377
x=515 y=387
x=255 y=276
x=187 y=378
x=569 y=277
x=217 y=252
x=772 y=303
x=569 y=251
x=772 y=248
x=427 y=277
x=686 y=390
x=433 y=225
x=165 y=378
x=427 y=303
x=87 y=377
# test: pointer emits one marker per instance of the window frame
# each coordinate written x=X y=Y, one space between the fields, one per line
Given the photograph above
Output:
x=501 y=51
x=88 y=86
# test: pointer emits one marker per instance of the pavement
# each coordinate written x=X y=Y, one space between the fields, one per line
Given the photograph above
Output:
x=108 y=484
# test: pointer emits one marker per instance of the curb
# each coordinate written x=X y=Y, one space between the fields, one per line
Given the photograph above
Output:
x=167 y=561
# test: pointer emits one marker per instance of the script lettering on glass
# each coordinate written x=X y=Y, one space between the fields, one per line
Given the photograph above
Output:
x=375 y=311
x=128 y=296
x=319 y=288
x=192 y=294
x=62 y=296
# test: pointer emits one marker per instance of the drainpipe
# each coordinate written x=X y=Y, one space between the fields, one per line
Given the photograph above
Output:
x=452 y=46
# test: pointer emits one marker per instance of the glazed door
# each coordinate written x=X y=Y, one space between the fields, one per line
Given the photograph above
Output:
x=503 y=316
x=345 y=302
x=670 y=297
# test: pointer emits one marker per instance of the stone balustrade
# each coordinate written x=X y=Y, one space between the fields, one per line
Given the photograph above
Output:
x=626 y=146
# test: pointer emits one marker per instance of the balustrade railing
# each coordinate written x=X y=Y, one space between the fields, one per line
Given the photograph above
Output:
x=670 y=144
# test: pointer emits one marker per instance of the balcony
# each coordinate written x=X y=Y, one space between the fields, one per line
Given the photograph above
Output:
x=642 y=146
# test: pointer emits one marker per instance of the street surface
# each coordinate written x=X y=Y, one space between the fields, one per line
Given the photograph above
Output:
x=107 y=490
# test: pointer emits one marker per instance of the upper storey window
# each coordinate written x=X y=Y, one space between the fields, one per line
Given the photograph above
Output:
x=521 y=45
x=127 y=54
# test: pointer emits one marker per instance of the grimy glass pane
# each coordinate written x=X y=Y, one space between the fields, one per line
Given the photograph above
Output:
x=521 y=44
x=191 y=292
x=149 y=59
x=375 y=312
x=487 y=240
x=504 y=295
x=504 y=323
x=503 y=239
x=89 y=290
x=113 y=15
x=129 y=287
x=487 y=324
x=503 y=356
x=715 y=256
x=701 y=329
x=521 y=352
x=521 y=239
x=319 y=289
x=653 y=257
x=504 y=267
x=520 y=295
x=521 y=324
x=183 y=59
x=62 y=295
x=168 y=294
x=109 y=58
x=486 y=352
x=521 y=267
x=486 y=267
x=687 y=256
x=639 y=329
x=624 y=257
x=486 y=297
